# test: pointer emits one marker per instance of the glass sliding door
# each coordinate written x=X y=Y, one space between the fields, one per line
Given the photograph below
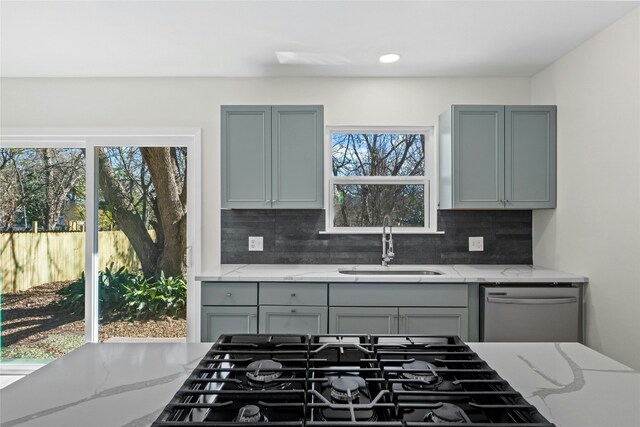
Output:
x=42 y=252
x=94 y=239
x=142 y=242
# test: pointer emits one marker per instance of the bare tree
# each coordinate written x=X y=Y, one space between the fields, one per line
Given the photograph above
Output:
x=378 y=155
x=37 y=184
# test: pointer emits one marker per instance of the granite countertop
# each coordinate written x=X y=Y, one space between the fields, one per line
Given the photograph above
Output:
x=115 y=384
x=329 y=273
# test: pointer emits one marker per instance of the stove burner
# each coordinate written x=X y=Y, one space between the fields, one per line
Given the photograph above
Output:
x=250 y=414
x=345 y=389
x=264 y=371
x=427 y=378
x=447 y=413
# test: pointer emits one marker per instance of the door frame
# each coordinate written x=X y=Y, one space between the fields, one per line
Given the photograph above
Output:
x=90 y=139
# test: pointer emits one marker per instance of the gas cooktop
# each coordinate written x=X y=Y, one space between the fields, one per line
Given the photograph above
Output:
x=346 y=380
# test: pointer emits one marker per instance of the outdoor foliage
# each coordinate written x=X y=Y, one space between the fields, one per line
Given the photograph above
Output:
x=363 y=204
x=128 y=294
x=165 y=296
x=41 y=185
x=141 y=189
x=145 y=188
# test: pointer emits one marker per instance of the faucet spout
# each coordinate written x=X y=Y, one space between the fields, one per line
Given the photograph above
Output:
x=387 y=243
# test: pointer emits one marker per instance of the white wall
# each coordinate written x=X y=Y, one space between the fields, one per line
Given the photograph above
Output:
x=139 y=102
x=596 y=228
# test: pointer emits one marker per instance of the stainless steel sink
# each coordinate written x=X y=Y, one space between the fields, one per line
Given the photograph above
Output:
x=392 y=272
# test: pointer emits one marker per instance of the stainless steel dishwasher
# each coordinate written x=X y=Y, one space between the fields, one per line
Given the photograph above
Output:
x=530 y=313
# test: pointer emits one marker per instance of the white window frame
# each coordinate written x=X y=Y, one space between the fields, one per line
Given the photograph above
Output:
x=90 y=139
x=429 y=180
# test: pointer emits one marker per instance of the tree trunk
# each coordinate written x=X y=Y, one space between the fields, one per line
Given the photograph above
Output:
x=172 y=212
x=127 y=218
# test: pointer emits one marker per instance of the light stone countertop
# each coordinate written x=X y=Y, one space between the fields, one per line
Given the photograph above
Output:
x=460 y=273
x=117 y=384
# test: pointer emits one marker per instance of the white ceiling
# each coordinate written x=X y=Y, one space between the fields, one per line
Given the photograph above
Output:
x=332 y=38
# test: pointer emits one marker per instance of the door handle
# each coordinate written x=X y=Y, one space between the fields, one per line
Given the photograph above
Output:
x=532 y=301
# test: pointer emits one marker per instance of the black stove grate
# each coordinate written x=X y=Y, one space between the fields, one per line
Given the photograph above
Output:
x=346 y=380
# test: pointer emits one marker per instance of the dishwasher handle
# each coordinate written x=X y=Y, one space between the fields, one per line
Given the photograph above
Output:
x=561 y=300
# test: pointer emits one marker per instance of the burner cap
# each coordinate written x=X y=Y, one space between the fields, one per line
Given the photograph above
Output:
x=264 y=370
x=345 y=389
x=249 y=414
x=429 y=375
x=449 y=386
x=447 y=413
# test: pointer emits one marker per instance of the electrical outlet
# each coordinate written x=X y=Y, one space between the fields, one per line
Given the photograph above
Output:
x=476 y=244
x=255 y=243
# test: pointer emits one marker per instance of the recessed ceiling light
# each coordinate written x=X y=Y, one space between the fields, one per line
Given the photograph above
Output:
x=389 y=58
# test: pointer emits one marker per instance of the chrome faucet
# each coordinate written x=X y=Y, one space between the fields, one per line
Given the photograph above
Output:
x=387 y=251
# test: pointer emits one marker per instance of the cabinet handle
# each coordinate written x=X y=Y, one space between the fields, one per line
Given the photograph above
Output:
x=293 y=310
x=293 y=295
x=228 y=294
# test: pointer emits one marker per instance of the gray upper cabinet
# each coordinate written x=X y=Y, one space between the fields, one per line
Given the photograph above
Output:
x=246 y=157
x=272 y=157
x=530 y=156
x=297 y=157
x=497 y=157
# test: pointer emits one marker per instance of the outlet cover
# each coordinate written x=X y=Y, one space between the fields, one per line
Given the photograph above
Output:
x=476 y=244
x=255 y=243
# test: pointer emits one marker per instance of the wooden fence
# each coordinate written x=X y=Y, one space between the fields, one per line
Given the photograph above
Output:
x=31 y=259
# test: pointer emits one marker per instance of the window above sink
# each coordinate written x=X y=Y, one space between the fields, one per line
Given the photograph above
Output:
x=378 y=171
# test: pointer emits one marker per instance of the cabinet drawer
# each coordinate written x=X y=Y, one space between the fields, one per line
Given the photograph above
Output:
x=229 y=293
x=398 y=294
x=293 y=293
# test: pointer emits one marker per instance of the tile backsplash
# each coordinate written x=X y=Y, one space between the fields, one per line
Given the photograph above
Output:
x=291 y=236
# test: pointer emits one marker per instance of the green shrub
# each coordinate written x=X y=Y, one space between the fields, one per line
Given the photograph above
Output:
x=129 y=294
x=73 y=296
x=165 y=296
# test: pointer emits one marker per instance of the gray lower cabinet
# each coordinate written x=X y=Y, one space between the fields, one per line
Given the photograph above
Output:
x=498 y=157
x=339 y=308
x=227 y=320
x=272 y=157
x=293 y=320
x=434 y=320
x=363 y=320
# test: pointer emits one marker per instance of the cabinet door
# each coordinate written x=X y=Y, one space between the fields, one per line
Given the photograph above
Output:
x=530 y=157
x=246 y=157
x=441 y=321
x=478 y=153
x=227 y=320
x=293 y=320
x=363 y=320
x=297 y=151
